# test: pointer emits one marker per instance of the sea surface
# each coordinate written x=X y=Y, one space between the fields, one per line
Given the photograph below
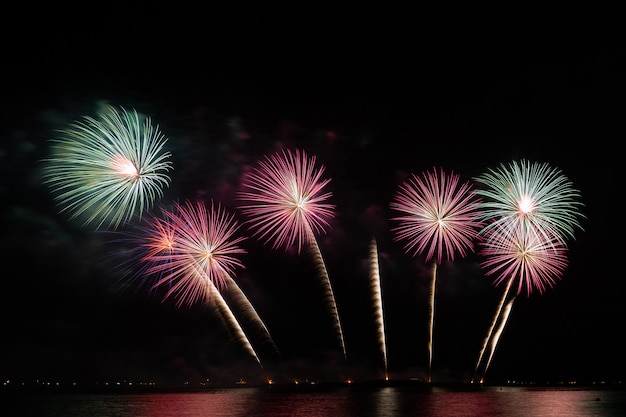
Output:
x=326 y=402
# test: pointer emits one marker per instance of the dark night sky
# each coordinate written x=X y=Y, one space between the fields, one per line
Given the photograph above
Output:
x=396 y=102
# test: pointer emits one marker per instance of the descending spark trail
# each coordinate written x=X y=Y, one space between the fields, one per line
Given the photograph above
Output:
x=205 y=249
x=378 y=301
x=523 y=254
x=244 y=303
x=232 y=324
x=490 y=331
x=431 y=319
x=505 y=316
x=191 y=253
x=329 y=296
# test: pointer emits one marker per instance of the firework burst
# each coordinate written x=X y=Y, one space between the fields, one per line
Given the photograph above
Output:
x=530 y=210
x=521 y=254
x=191 y=249
x=191 y=253
x=440 y=218
x=109 y=168
x=285 y=202
x=285 y=199
x=536 y=194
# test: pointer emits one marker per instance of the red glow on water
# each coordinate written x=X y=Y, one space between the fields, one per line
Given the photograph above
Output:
x=507 y=401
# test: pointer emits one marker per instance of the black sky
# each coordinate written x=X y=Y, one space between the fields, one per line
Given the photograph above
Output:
x=373 y=105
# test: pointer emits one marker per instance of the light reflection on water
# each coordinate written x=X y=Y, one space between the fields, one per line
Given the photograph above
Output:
x=335 y=402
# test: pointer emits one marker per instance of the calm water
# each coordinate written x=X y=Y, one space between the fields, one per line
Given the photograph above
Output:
x=344 y=401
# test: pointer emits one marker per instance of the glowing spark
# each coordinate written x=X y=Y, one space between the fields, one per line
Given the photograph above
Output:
x=124 y=167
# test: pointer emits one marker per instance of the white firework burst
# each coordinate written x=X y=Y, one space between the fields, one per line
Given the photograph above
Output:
x=107 y=169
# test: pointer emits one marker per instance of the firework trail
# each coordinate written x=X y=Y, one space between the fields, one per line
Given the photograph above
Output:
x=378 y=301
x=519 y=254
x=191 y=252
x=431 y=318
x=496 y=336
x=530 y=209
x=284 y=200
x=204 y=252
x=329 y=296
x=440 y=217
x=245 y=305
x=232 y=324
x=109 y=168
x=490 y=331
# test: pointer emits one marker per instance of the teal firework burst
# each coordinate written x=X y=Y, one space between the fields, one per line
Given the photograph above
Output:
x=107 y=169
x=533 y=193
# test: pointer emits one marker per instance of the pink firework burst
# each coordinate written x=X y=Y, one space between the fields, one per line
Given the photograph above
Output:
x=440 y=215
x=285 y=200
x=191 y=253
x=525 y=255
x=159 y=242
x=516 y=251
x=193 y=249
